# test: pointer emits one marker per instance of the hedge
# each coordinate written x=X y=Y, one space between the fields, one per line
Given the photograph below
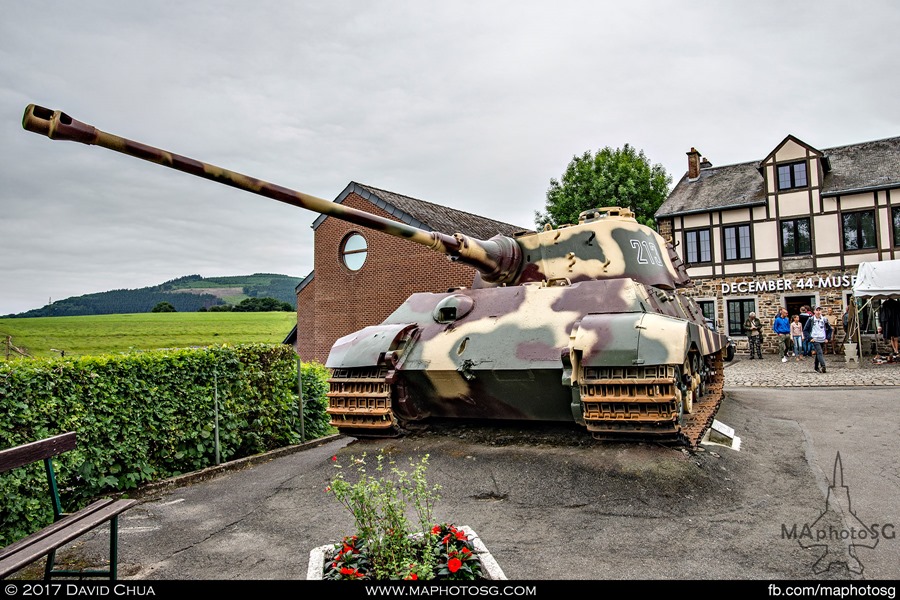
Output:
x=146 y=416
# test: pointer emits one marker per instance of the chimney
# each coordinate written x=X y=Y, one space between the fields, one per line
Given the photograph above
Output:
x=693 y=164
x=704 y=163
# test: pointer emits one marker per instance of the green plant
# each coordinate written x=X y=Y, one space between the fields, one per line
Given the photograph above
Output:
x=148 y=415
x=387 y=545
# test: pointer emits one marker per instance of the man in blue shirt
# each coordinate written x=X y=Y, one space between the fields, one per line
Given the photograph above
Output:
x=782 y=328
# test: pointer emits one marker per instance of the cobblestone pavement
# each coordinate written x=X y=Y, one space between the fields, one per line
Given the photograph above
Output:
x=771 y=372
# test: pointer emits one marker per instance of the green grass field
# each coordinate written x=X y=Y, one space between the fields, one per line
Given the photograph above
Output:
x=109 y=334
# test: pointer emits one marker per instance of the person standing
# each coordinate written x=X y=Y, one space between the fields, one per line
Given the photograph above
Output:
x=889 y=315
x=818 y=330
x=753 y=327
x=833 y=321
x=782 y=328
x=805 y=314
x=797 y=336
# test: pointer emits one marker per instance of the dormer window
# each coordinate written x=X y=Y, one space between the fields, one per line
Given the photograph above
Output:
x=793 y=175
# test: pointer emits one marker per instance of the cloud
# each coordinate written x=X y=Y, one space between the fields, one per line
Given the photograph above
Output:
x=470 y=104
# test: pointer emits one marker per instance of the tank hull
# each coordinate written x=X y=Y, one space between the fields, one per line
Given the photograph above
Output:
x=616 y=356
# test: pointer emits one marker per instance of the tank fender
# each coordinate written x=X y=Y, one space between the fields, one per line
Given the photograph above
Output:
x=633 y=339
x=371 y=346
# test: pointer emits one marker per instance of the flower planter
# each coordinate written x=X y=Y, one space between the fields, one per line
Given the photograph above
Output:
x=489 y=567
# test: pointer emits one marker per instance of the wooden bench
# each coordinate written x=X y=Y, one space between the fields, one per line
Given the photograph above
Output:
x=66 y=527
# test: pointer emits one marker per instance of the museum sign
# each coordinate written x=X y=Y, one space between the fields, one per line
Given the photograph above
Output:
x=788 y=285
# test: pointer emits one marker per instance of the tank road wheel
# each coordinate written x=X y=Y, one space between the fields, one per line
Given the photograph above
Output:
x=706 y=401
x=679 y=405
x=693 y=378
x=690 y=379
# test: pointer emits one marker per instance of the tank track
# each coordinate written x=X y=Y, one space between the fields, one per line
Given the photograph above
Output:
x=618 y=403
x=645 y=403
x=359 y=402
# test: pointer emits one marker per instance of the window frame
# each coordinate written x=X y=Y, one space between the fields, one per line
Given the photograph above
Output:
x=859 y=230
x=696 y=233
x=343 y=253
x=795 y=221
x=895 y=225
x=737 y=227
x=714 y=308
x=791 y=179
x=739 y=330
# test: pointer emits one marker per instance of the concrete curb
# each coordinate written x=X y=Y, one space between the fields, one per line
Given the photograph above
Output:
x=154 y=489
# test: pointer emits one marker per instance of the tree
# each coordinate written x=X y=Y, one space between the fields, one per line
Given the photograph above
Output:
x=163 y=307
x=621 y=177
x=262 y=305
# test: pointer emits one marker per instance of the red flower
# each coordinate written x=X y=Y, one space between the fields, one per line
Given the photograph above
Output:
x=348 y=571
x=461 y=535
x=454 y=564
x=466 y=551
x=436 y=529
x=334 y=458
x=412 y=576
x=446 y=539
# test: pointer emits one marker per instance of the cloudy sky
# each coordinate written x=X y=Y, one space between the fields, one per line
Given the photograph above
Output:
x=472 y=104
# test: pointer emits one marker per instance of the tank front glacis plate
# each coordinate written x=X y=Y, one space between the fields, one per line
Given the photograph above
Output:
x=509 y=328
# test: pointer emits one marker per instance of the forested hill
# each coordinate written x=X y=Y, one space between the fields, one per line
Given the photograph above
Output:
x=186 y=294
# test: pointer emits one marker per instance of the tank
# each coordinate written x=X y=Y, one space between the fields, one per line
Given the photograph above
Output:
x=584 y=323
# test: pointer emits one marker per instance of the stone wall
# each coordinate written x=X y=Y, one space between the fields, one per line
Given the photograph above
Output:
x=769 y=291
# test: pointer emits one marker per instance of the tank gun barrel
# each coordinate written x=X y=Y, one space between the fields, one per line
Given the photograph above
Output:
x=498 y=259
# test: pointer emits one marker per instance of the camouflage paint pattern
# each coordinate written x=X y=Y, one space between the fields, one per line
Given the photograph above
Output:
x=484 y=364
x=603 y=245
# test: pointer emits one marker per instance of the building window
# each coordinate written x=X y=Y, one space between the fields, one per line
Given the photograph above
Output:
x=697 y=247
x=737 y=242
x=708 y=308
x=795 y=238
x=895 y=216
x=859 y=230
x=354 y=250
x=737 y=313
x=792 y=176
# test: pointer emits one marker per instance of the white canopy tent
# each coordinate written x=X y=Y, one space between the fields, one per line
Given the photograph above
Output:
x=875 y=281
x=878 y=280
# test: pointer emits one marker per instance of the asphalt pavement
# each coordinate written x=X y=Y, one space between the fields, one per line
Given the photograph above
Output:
x=550 y=503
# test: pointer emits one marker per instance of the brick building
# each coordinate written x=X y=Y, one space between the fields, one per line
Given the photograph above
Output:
x=788 y=230
x=360 y=275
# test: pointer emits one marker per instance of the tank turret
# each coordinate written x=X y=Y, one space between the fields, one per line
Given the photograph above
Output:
x=580 y=323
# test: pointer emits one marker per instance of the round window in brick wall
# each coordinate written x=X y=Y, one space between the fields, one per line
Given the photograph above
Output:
x=354 y=250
